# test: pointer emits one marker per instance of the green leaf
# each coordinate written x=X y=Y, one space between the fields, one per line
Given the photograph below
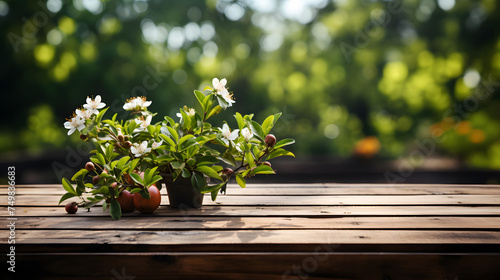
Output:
x=133 y=164
x=278 y=153
x=81 y=173
x=68 y=187
x=267 y=125
x=137 y=178
x=240 y=180
x=184 y=138
x=262 y=169
x=201 y=98
x=208 y=171
x=207 y=160
x=185 y=173
x=239 y=120
x=198 y=181
x=101 y=159
x=170 y=120
x=136 y=190
x=122 y=162
x=209 y=189
x=104 y=206
x=80 y=188
x=151 y=129
x=257 y=130
x=216 y=110
x=186 y=120
x=207 y=88
x=214 y=194
x=115 y=210
x=173 y=133
x=250 y=159
x=169 y=140
x=66 y=196
x=177 y=164
x=187 y=143
x=144 y=193
x=101 y=113
x=229 y=158
x=276 y=118
x=284 y=142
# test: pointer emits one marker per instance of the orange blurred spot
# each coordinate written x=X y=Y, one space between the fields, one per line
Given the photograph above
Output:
x=367 y=147
x=477 y=136
x=463 y=128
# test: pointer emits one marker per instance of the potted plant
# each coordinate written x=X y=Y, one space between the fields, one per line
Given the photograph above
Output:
x=192 y=157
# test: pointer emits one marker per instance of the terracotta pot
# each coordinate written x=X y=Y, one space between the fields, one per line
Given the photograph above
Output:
x=181 y=194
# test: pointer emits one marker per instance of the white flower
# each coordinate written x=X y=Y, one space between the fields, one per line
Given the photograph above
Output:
x=143 y=123
x=219 y=86
x=76 y=122
x=228 y=97
x=140 y=150
x=247 y=133
x=228 y=135
x=93 y=105
x=136 y=104
x=189 y=112
x=84 y=114
x=156 y=145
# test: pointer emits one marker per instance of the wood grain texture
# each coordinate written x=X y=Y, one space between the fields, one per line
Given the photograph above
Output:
x=271 y=211
x=258 y=223
x=333 y=200
x=278 y=231
x=316 y=265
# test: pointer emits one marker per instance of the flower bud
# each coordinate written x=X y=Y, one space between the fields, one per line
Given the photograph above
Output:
x=126 y=138
x=267 y=163
x=118 y=145
x=270 y=140
x=127 y=145
x=227 y=171
x=95 y=179
x=121 y=138
x=89 y=166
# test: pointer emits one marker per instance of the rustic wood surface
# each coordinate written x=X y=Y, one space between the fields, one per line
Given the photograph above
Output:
x=265 y=231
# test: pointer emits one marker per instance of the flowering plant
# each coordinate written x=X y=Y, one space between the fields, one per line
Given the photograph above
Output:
x=132 y=155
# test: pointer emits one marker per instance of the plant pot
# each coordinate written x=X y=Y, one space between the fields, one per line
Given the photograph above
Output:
x=181 y=194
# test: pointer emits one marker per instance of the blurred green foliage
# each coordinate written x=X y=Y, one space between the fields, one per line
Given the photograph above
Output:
x=351 y=77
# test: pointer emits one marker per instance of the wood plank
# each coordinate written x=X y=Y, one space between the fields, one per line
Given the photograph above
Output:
x=263 y=266
x=271 y=211
x=257 y=223
x=291 y=190
x=35 y=200
x=228 y=237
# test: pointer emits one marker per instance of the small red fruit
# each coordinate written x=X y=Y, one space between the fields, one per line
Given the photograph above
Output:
x=148 y=206
x=270 y=140
x=71 y=207
x=83 y=136
x=126 y=201
x=127 y=145
x=227 y=171
x=89 y=166
x=95 y=179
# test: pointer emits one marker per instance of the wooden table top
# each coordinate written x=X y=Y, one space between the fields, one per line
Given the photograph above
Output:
x=265 y=231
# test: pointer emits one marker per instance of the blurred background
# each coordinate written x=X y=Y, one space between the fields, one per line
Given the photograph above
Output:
x=372 y=91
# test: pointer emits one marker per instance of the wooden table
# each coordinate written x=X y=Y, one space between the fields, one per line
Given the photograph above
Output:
x=265 y=231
